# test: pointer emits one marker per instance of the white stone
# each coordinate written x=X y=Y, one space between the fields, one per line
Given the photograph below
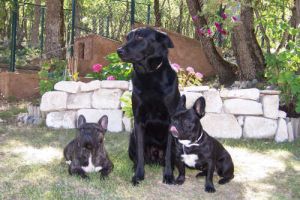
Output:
x=109 y=84
x=290 y=132
x=281 y=133
x=240 y=120
x=270 y=106
x=67 y=86
x=90 y=86
x=242 y=107
x=130 y=87
x=213 y=101
x=106 y=99
x=221 y=125
x=54 y=101
x=191 y=97
x=63 y=119
x=114 y=117
x=2 y=121
x=281 y=114
x=252 y=94
x=196 y=88
x=259 y=127
x=296 y=127
x=269 y=92
x=128 y=125
x=79 y=100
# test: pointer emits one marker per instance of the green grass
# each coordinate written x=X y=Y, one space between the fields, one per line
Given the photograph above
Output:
x=31 y=167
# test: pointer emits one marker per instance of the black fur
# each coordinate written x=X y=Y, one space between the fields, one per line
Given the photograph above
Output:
x=88 y=142
x=185 y=125
x=154 y=99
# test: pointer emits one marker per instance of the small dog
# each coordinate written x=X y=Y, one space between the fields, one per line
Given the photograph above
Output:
x=86 y=153
x=155 y=97
x=196 y=149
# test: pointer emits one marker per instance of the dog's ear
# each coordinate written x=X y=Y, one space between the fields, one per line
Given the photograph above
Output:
x=181 y=104
x=103 y=122
x=164 y=39
x=199 y=107
x=130 y=35
x=81 y=121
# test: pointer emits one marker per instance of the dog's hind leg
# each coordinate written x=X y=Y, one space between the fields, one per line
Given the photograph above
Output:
x=225 y=170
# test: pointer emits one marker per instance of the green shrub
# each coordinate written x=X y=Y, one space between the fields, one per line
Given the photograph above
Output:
x=127 y=104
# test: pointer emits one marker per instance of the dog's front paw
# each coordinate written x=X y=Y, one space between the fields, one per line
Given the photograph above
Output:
x=179 y=180
x=168 y=179
x=210 y=188
x=136 y=180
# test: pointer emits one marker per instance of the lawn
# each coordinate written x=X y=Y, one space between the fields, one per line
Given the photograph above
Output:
x=31 y=167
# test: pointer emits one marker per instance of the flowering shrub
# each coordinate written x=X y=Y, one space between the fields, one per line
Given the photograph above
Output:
x=188 y=76
x=115 y=70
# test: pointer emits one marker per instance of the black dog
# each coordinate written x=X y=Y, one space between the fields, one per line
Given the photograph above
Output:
x=86 y=153
x=196 y=148
x=154 y=99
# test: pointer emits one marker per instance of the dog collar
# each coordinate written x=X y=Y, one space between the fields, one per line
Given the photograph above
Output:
x=158 y=66
x=194 y=143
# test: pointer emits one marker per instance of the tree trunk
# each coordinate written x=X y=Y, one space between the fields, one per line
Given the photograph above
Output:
x=247 y=52
x=179 y=27
x=36 y=25
x=157 y=13
x=78 y=18
x=54 y=29
x=224 y=69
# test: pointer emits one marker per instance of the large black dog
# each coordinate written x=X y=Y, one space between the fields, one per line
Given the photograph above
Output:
x=196 y=149
x=154 y=99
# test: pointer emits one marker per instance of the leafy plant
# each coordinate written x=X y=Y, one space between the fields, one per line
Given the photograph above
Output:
x=115 y=70
x=127 y=104
x=188 y=76
x=52 y=71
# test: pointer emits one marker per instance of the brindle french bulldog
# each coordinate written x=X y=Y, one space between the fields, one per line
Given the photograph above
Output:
x=86 y=153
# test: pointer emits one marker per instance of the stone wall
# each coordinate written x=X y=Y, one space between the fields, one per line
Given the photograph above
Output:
x=238 y=113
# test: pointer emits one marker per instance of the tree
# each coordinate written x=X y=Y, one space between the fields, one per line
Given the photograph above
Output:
x=248 y=54
x=224 y=69
x=54 y=29
x=36 y=24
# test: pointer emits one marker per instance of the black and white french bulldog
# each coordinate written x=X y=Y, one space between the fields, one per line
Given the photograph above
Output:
x=86 y=153
x=196 y=149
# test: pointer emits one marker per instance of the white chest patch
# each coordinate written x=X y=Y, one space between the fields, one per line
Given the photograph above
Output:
x=68 y=162
x=189 y=159
x=91 y=167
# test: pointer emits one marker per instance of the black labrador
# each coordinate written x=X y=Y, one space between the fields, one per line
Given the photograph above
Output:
x=154 y=99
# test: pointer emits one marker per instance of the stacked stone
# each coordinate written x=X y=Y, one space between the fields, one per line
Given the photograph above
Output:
x=93 y=100
x=237 y=113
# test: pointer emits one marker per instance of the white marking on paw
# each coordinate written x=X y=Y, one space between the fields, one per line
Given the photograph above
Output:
x=189 y=159
x=68 y=162
x=91 y=167
x=185 y=142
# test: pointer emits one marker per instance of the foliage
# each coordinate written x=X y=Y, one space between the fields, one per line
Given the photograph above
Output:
x=188 y=76
x=127 y=104
x=52 y=71
x=282 y=71
x=116 y=69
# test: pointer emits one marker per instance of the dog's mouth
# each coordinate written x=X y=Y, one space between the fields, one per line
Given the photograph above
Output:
x=174 y=131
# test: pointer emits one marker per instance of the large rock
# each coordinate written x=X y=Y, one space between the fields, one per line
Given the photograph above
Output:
x=67 y=86
x=114 y=117
x=252 y=93
x=221 y=125
x=281 y=133
x=196 y=88
x=123 y=85
x=269 y=92
x=281 y=114
x=64 y=119
x=191 y=97
x=296 y=127
x=270 y=106
x=259 y=127
x=106 y=99
x=54 y=101
x=290 y=132
x=242 y=107
x=90 y=86
x=128 y=125
x=80 y=100
x=213 y=101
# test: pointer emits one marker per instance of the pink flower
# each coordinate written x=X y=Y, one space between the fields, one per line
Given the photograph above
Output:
x=218 y=25
x=224 y=16
x=194 y=18
x=200 y=31
x=176 y=67
x=234 y=18
x=97 y=67
x=199 y=75
x=111 y=78
x=190 y=70
x=209 y=32
x=223 y=32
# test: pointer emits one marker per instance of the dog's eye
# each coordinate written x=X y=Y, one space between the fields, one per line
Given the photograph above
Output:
x=139 y=38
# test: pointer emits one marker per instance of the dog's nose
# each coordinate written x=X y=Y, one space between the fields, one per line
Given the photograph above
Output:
x=120 y=51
